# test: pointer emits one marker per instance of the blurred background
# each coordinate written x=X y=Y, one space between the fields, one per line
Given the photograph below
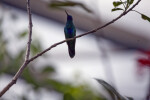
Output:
x=111 y=54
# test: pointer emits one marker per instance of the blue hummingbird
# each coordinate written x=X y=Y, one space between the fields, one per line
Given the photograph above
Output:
x=70 y=32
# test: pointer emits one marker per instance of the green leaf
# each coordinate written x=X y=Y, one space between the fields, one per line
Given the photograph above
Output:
x=130 y=1
x=1 y=21
x=23 y=34
x=17 y=60
x=57 y=4
x=115 y=9
x=1 y=34
x=28 y=77
x=48 y=69
x=144 y=17
x=68 y=96
x=35 y=47
x=110 y=88
x=60 y=87
x=117 y=3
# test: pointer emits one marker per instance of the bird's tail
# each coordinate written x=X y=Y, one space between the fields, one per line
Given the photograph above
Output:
x=71 y=52
x=71 y=48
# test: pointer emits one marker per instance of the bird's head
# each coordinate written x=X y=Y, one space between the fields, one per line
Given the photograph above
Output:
x=69 y=17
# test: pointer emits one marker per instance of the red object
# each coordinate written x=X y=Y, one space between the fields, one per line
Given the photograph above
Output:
x=144 y=62
x=146 y=52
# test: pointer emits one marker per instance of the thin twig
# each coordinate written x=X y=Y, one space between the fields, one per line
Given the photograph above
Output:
x=30 y=30
x=13 y=81
x=137 y=12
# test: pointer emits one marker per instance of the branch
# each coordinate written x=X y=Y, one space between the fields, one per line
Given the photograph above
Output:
x=27 y=60
x=30 y=30
x=89 y=32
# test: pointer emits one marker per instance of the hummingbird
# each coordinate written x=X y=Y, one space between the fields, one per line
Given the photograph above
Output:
x=70 y=32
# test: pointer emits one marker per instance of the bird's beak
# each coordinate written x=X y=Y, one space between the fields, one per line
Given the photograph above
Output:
x=66 y=13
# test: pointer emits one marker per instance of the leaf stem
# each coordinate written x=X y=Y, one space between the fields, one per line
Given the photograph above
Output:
x=123 y=4
x=137 y=12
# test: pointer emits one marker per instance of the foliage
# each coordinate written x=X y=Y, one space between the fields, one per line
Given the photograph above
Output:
x=115 y=95
x=145 y=17
x=58 y=4
x=126 y=4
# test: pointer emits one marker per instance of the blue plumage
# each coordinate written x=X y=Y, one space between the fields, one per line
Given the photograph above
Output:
x=70 y=32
